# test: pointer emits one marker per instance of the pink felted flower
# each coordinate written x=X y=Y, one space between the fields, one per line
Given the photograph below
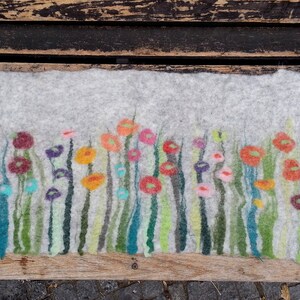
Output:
x=134 y=155
x=225 y=174
x=147 y=137
x=205 y=190
x=217 y=157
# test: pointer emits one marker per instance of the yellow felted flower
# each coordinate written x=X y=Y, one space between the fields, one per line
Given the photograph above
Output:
x=258 y=203
x=85 y=155
x=93 y=181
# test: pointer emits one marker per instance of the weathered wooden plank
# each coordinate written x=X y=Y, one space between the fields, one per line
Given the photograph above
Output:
x=158 y=267
x=283 y=11
x=249 y=70
x=208 y=42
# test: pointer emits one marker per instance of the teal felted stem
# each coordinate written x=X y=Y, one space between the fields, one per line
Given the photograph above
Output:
x=183 y=221
x=16 y=217
x=68 y=201
x=50 y=228
x=25 y=232
x=4 y=212
x=109 y=196
x=251 y=175
x=132 y=246
x=205 y=231
x=85 y=217
x=152 y=223
x=154 y=205
x=125 y=217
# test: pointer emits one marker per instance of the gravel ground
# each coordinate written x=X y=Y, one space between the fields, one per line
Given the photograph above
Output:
x=146 y=290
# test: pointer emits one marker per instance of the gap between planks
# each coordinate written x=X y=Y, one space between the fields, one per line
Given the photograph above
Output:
x=231 y=69
x=182 y=266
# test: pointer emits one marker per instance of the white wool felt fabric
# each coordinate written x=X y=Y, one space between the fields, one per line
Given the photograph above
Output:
x=251 y=110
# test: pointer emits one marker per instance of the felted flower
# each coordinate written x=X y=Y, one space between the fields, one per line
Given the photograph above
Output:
x=170 y=147
x=68 y=134
x=110 y=142
x=199 y=143
x=205 y=190
x=5 y=189
x=127 y=127
x=150 y=185
x=168 y=168
x=295 y=201
x=258 y=203
x=61 y=173
x=291 y=170
x=265 y=185
x=283 y=142
x=19 y=165
x=147 y=137
x=93 y=181
x=134 y=155
x=31 y=186
x=225 y=174
x=85 y=155
x=252 y=155
x=52 y=194
x=54 y=151
x=217 y=157
x=201 y=166
x=120 y=170
x=219 y=136
x=122 y=193
x=23 y=140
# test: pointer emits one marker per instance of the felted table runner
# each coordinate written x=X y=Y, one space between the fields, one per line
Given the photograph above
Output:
x=142 y=162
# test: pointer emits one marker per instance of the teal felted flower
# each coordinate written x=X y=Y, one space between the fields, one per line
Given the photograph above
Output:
x=5 y=189
x=31 y=186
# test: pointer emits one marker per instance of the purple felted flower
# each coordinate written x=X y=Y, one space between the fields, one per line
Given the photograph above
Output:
x=295 y=200
x=199 y=143
x=60 y=173
x=52 y=194
x=54 y=151
x=201 y=166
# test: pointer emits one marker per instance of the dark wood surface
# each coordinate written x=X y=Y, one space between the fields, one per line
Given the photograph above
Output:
x=150 y=41
x=271 y=11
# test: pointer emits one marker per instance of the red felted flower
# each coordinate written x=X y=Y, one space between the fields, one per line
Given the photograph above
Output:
x=150 y=185
x=291 y=170
x=134 y=155
x=295 y=201
x=170 y=147
x=23 y=140
x=168 y=168
x=19 y=165
x=252 y=155
x=283 y=142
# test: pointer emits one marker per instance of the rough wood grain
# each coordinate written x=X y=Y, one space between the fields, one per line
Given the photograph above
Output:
x=248 y=70
x=157 y=267
x=149 y=41
x=283 y=11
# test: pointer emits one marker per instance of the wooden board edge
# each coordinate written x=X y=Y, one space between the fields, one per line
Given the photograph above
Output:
x=185 y=266
x=223 y=69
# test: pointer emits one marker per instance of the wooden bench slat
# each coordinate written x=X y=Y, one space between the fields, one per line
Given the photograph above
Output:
x=158 y=267
x=151 y=41
x=283 y=11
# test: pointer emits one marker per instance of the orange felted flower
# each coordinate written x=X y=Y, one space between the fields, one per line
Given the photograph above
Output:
x=93 y=181
x=291 y=170
x=283 y=142
x=252 y=155
x=110 y=142
x=85 y=155
x=127 y=127
x=265 y=185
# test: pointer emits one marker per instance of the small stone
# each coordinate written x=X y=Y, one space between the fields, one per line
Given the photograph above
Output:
x=65 y=291
x=177 y=291
x=86 y=290
x=152 y=289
